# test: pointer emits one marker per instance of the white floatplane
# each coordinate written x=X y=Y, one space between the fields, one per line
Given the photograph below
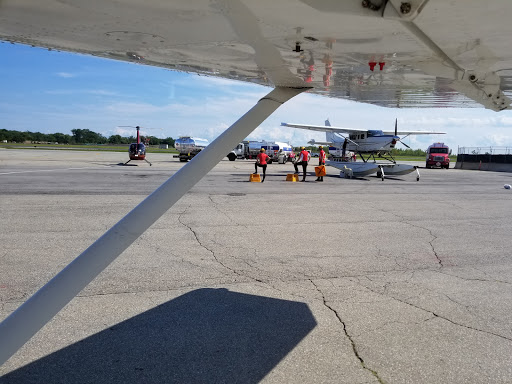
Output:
x=364 y=142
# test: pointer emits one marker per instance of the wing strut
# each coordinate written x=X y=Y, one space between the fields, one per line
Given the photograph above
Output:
x=39 y=309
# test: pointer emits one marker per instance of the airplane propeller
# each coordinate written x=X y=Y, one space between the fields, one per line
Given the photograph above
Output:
x=394 y=141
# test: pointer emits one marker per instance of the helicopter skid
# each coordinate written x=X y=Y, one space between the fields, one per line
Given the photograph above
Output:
x=138 y=158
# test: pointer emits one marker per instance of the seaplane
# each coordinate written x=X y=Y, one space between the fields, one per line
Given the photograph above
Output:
x=391 y=53
x=371 y=143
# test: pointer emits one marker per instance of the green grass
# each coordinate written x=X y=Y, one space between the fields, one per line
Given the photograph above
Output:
x=151 y=149
x=108 y=148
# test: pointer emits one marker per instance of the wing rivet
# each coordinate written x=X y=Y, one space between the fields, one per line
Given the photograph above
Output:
x=371 y=5
x=405 y=8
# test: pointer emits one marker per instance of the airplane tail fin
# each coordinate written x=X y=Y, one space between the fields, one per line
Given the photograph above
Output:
x=330 y=136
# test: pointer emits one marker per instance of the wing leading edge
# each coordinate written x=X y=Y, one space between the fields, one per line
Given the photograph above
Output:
x=323 y=128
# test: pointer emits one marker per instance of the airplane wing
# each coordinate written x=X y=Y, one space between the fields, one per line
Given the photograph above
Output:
x=324 y=128
x=314 y=142
x=419 y=53
x=413 y=133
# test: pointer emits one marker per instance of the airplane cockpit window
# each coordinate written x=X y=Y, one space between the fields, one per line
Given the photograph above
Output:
x=374 y=132
x=133 y=147
x=140 y=147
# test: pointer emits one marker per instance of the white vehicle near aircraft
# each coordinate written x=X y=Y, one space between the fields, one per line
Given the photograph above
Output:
x=369 y=142
x=422 y=53
x=189 y=147
x=285 y=150
x=250 y=149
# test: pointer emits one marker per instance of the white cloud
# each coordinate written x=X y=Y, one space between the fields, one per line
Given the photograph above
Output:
x=205 y=106
x=124 y=131
x=65 y=75
x=499 y=139
x=208 y=116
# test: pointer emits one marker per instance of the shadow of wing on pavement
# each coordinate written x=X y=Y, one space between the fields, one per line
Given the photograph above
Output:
x=204 y=336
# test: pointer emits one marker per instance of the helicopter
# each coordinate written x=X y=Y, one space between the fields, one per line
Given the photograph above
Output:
x=136 y=151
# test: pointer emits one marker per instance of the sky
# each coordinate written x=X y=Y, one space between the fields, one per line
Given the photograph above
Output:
x=49 y=91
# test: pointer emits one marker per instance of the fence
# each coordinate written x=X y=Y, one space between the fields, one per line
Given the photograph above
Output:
x=484 y=150
x=485 y=158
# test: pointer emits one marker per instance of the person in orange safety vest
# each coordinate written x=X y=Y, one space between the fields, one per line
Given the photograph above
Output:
x=321 y=161
x=303 y=160
x=261 y=161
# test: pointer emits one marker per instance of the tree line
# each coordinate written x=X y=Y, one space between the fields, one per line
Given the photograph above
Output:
x=79 y=136
x=86 y=136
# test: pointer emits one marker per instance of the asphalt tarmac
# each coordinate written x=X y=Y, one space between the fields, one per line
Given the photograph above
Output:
x=345 y=281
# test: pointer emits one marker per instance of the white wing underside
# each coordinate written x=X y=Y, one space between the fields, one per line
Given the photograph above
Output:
x=433 y=53
x=323 y=128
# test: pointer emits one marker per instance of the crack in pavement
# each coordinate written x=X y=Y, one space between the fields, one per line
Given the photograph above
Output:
x=215 y=205
x=155 y=290
x=431 y=242
x=213 y=253
x=350 y=338
x=474 y=279
x=437 y=315
x=403 y=220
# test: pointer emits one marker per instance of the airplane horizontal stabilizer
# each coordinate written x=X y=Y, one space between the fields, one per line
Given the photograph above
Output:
x=313 y=142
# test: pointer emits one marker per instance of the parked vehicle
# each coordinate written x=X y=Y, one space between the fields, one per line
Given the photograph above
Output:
x=438 y=155
x=336 y=154
x=246 y=150
x=285 y=152
x=250 y=149
x=189 y=147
